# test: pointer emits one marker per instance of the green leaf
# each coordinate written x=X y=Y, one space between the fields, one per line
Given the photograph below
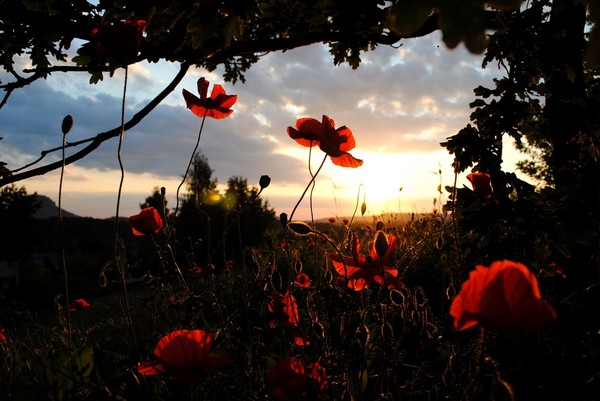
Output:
x=408 y=16
x=463 y=21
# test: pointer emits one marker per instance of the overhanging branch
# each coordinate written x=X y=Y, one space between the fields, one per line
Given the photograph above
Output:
x=97 y=140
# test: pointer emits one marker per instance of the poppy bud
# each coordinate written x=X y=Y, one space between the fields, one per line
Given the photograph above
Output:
x=381 y=244
x=67 y=124
x=363 y=208
x=264 y=181
x=299 y=228
x=283 y=218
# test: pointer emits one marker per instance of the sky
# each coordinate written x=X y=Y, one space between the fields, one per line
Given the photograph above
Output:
x=400 y=104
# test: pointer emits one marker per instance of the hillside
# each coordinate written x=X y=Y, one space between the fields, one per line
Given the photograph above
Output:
x=49 y=209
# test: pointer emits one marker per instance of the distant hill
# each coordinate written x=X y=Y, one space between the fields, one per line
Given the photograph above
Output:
x=49 y=209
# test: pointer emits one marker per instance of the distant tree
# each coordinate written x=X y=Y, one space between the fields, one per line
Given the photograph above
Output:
x=213 y=227
x=16 y=213
x=199 y=217
x=249 y=217
x=201 y=184
x=158 y=201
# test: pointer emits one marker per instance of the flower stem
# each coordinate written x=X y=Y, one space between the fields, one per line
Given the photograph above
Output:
x=125 y=302
x=189 y=164
x=312 y=180
x=62 y=241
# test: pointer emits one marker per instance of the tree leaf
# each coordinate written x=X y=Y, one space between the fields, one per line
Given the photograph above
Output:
x=406 y=17
x=463 y=21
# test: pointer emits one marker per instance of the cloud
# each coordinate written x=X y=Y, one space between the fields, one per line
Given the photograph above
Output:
x=401 y=101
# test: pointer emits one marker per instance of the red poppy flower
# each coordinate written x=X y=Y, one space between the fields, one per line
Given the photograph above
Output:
x=120 y=41
x=197 y=269
x=229 y=264
x=148 y=221
x=303 y=280
x=360 y=271
x=78 y=305
x=292 y=379
x=482 y=184
x=335 y=142
x=216 y=106
x=285 y=314
x=504 y=296
x=332 y=220
x=3 y=338
x=185 y=356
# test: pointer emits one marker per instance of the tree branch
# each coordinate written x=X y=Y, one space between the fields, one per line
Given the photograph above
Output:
x=101 y=137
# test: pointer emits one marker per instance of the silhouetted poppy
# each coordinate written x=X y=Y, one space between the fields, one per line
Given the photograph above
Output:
x=335 y=142
x=504 y=296
x=184 y=355
x=119 y=40
x=285 y=313
x=78 y=305
x=292 y=379
x=303 y=280
x=217 y=106
x=148 y=221
x=360 y=271
x=332 y=220
x=481 y=183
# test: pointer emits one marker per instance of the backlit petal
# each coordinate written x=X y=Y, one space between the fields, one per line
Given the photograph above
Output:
x=346 y=160
x=348 y=139
x=504 y=296
x=151 y=368
x=203 y=88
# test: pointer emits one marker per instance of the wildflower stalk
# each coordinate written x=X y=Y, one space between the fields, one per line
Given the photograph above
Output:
x=312 y=180
x=455 y=235
x=189 y=163
x=125 y=302
x=62 y=237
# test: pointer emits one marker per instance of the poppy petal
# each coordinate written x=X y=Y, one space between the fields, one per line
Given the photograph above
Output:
x=193 y=103
x=504 y=296
x=348 y=138
x=299 y=138
x=151 y=368
x=225 y=101
x=203 y=88
x=346 y=160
